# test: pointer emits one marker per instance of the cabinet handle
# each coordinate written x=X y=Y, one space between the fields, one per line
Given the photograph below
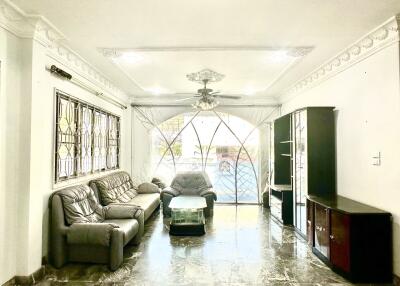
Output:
x=309 y=222
x=332 y=236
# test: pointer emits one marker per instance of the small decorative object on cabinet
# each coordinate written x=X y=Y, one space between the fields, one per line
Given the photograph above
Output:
x=313 y=159
x=354 y=239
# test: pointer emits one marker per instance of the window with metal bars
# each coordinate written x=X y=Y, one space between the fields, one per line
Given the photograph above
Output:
x=87 y=138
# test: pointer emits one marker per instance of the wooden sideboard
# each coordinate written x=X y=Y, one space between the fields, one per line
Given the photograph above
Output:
x=354 y=239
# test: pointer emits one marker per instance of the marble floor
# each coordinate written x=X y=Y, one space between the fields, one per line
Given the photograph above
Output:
x=243 y=246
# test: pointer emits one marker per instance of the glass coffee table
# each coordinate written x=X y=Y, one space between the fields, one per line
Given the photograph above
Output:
x=187 y=215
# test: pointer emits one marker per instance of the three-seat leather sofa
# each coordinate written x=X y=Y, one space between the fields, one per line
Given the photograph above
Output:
x=93 y=224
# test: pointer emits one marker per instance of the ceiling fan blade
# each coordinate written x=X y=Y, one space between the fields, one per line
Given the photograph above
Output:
x=185 y=93
x=184 y=99
x=227 y=96
x=214 y=92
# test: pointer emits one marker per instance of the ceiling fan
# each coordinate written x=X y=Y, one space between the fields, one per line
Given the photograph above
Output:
x=207 y=97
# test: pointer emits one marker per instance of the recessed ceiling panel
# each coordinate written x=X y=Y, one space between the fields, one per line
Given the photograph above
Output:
x=247 y=72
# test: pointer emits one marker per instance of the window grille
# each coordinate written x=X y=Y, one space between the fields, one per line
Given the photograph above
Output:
x=87 y=139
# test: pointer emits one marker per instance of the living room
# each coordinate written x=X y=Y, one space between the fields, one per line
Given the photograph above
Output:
x=117 y=101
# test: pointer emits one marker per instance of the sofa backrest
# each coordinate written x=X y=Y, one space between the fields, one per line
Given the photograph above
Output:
x=191 y=183
x=115 y=188
x=80 y=205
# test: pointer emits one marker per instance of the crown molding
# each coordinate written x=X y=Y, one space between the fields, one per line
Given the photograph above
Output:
x=374 y=41
x=38 y=28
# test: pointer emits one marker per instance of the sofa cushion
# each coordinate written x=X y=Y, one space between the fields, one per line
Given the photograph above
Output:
x=129 y=227
x=116 y=188
x=90 y=233
x=148 y=188
x=81 y=205
x=148 y=202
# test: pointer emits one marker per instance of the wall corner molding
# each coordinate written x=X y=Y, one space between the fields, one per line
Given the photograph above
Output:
x=38 y=28
x=377 y=39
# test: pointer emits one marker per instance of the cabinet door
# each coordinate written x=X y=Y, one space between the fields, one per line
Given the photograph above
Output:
x=310 y=222
x=321 y=234
x=340 y=240
x=300 y=169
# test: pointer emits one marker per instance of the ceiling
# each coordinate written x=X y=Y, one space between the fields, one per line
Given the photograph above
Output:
x=261 y=46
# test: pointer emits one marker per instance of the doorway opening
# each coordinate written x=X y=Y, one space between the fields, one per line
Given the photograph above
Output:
x=226 y=147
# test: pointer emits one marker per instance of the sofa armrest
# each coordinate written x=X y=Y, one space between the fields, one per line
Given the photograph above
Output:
x=170 y=191
x=121 y=211
x=209 y=192
x=148 y=188
x=90 y=233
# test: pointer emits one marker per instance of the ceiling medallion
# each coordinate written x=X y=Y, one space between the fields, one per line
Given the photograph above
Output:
x=205 y=75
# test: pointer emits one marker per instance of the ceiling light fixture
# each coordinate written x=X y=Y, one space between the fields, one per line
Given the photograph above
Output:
x=131 y=57
x=250 y=91
x=157 y=90
x=205 y=103
x=279 y=56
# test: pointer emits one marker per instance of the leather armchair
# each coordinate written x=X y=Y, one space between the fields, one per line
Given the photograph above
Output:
x=189 y=184
x=82 y=230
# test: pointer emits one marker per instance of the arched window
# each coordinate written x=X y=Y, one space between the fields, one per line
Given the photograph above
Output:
x=223 y=145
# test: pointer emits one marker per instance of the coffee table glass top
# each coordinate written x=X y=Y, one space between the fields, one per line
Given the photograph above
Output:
x=188 y=202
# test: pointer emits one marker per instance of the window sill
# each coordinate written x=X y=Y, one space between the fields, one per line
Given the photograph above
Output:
x=82 y=180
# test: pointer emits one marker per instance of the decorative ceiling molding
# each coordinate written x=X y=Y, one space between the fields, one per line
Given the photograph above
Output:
x=379 y=38
x=297 y=53
x=291 y=51
x=36 y=27
x=205 y=75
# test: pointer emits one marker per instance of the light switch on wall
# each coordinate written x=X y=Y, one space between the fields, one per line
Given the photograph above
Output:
x=377 y=159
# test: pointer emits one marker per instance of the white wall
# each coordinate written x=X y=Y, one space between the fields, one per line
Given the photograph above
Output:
x=367 y=101
x=9 y=146
x=27 y=147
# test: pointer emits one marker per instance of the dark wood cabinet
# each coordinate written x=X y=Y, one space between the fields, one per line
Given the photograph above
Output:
x=313 y=158
x=281 y=203
x=282 y=151
x=321 y=229
x=340 y=240
x=310 y=222
x=354 y=239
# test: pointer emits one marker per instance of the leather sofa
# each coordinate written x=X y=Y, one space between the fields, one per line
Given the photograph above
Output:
x=118 y=188
x=82 y=230
x=193 y=183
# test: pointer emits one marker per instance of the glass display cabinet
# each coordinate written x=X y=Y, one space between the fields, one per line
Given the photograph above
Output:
x=313 y=162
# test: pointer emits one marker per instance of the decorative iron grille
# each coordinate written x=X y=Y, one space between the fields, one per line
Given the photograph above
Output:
x=232 y=167
x=87 y=138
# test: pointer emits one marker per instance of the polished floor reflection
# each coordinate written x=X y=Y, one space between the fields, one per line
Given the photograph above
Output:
x=242 y=246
